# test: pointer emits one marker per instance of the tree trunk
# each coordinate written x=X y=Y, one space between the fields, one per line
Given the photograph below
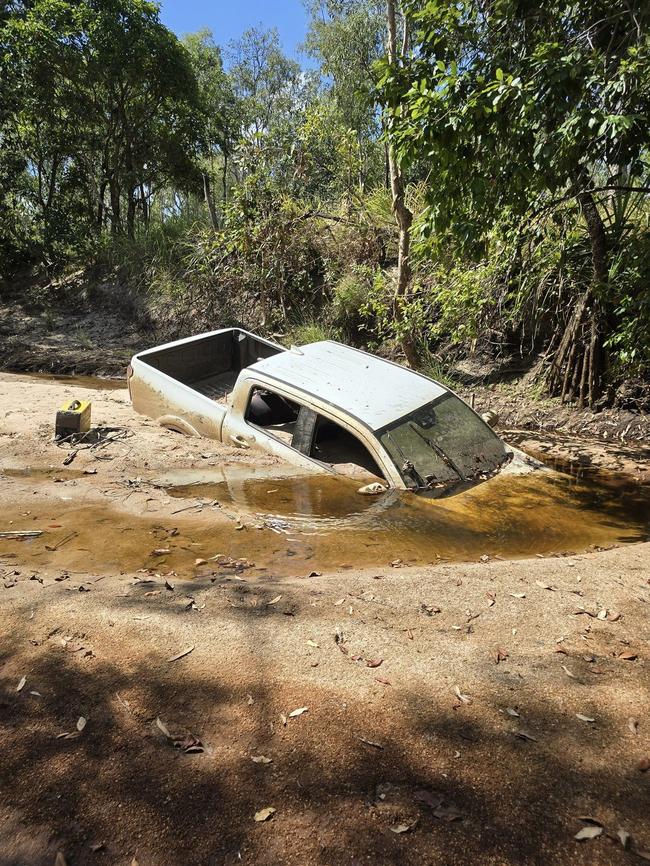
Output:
x=145 y=205
x=116 y=217
x=403 y=216
x=576 y=370
x=130 y=215
x=207 y=192
x=100 y=205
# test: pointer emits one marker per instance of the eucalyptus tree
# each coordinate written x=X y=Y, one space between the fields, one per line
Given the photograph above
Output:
x=218 y=116
x=520 y=105
x=103 y=112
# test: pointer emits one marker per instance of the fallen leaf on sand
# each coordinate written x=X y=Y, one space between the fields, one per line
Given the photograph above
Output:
x=644 y=765
x=568 y=672
x=524 y=735
x=429 y=609
x=261 y=759
x=163 y=727
x=461 y=697
x=274 y=600
x=428 y=798
x=81 y=723
x=373 y=663
x=189 y=744
x=448 y=812
x=624 y=837
x=21 y=684
x=370 y=743
x=298 y=712
x=264 y=814
x=591 y=832
x=584 y=718
x=180 y=655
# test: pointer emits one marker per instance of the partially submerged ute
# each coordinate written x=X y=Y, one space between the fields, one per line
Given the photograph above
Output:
x=323 y=407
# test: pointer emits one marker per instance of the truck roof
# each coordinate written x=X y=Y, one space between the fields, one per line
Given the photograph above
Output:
x=375 y=391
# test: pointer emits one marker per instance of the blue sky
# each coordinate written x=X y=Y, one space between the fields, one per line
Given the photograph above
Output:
x=229 y=18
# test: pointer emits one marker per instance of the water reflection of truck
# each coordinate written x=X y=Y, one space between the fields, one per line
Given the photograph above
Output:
x=322 y=407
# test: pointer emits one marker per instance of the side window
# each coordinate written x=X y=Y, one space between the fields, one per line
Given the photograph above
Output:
x=273 y=412
x=333 y=444
x=310 y=433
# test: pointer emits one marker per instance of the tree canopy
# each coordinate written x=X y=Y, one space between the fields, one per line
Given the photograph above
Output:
x=441 y=177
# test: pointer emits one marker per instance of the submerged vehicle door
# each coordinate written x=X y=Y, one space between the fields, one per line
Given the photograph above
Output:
x=298 y=428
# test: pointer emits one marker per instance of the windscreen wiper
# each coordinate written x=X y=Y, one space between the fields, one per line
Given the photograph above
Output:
x=443 y=456
x=407 y=466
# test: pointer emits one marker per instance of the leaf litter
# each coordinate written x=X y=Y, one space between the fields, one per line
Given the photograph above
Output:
x=590 y=832
x=181 y=654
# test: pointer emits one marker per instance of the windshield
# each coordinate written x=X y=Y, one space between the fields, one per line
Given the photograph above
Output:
x=442 y=442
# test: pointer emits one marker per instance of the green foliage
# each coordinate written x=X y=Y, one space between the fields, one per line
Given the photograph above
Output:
x=307 y=330
x=228 y=185
x=521 y=102
x=349 y=298
x=102 y=101
x=346 y=37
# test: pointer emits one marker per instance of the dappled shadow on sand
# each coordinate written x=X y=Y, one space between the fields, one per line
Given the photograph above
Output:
x=345 y=776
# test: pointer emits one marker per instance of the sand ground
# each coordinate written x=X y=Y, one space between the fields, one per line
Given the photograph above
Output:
x=452 y=712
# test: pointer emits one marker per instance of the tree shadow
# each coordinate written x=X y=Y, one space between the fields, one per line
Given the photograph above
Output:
x=394 y=775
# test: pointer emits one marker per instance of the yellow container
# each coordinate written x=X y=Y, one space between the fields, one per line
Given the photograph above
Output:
x=72 y=418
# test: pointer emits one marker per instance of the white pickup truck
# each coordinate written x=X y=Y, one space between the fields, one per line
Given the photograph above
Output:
x=323 y=407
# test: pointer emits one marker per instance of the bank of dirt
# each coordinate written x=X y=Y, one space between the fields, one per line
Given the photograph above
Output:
x=456 y=713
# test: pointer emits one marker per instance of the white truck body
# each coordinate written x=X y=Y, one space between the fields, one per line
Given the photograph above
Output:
x=324 y=407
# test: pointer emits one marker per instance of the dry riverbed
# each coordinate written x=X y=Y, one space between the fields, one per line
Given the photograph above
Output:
x=257 y=670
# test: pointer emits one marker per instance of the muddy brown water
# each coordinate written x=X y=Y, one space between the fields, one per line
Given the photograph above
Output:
x=95 y=383
x=293 y=525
